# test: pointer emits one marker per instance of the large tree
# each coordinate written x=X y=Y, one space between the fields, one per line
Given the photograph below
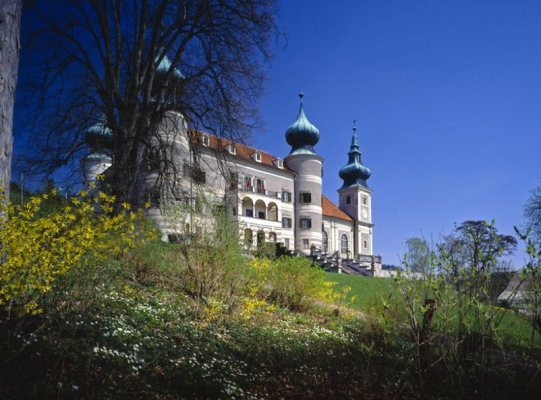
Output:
x=10 y=21
x=473 y=253
x=129 y=63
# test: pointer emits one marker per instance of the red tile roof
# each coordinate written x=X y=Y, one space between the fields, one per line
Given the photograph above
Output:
x=331 y=210
x=242 y=151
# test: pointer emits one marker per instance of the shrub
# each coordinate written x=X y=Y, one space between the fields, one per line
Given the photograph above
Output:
x=292 y=282
x=38 y=247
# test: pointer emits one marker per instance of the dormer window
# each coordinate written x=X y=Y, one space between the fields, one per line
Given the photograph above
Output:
x=279 y=163
x=231 y=148
x=205 y=140
x=257 y=157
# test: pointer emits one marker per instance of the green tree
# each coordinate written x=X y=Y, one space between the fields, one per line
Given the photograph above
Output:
x=418 y=255
x=473 y=253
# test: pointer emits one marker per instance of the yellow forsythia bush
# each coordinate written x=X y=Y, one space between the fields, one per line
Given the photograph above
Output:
x=37 y=247
x=293 y=282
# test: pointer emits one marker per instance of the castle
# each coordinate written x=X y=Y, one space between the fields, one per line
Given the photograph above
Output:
x=272 y=199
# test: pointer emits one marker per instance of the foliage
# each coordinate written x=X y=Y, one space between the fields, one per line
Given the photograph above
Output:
x=418 y=255
x=472 y=253
x=530 y=277
x=38 y=248
x=532 y=213
x=293 y=282
x=209 y=261
x=455 y=326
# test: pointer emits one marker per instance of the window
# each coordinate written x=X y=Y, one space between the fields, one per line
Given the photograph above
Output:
x=248 y=237
x=198 y=204
x=231 y=149
x=286 y=243
x=257 y=157
x=325 y=242
x=218 y=209
x=305 y=198
x=365 y=244
x=233 y=180
x=234 y=211
x=260 y=186
x=195 y=173
x=261 y=214
x=260 y=238
x=305 y=244
x=205 y=140
x=248 y=185
x=305 y=223
x=365 y=200
x=249 y=213
x=286 y=196
x=343 y=244
x=286 y=222
x=279 y=163
x=348 y=199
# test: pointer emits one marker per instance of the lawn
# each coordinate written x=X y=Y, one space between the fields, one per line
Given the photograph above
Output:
x=365 y=291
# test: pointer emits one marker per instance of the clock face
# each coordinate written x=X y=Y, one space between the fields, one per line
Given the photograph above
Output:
x=364 y=214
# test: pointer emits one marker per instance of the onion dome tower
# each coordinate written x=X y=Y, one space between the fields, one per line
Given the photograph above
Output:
x=100 y=139
x=354 y=172
x=356 y=198
x=165 y=65
x=302 y=136
x=168 y=80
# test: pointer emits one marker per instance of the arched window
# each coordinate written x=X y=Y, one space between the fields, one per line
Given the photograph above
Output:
x=260 y=238
x=272 y=237
x=260 y=209
x=248 y=237
x=272 y=212
x=343 y=244
x=325 y=242
x=247 y=207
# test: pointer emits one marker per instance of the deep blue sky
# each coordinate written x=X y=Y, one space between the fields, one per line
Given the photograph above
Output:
x=447 y=97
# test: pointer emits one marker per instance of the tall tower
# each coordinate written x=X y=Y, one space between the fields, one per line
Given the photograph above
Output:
x=356 y=197
x=99 y=138
x=302 y=136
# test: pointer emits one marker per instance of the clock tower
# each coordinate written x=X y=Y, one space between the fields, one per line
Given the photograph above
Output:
x=355 y=197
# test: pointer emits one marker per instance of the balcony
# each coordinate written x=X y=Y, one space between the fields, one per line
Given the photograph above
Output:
x=260 y=191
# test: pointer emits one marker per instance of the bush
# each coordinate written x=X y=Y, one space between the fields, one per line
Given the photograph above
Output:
x=38 y=247
x=292 y=282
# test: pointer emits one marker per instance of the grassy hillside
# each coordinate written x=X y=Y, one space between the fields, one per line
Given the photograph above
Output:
x=365 y=291
x=102 y=311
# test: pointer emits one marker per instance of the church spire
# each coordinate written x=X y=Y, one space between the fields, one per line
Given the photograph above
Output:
x=354 y=172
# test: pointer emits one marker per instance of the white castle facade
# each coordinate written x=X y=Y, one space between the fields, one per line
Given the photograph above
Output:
x=272 y=199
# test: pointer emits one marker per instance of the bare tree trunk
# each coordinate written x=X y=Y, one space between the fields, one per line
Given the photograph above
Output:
x=10 y=22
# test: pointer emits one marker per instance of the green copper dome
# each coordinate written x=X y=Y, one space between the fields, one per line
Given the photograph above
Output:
x=99 y=135
x=165 y=65
x=98 y=156
x=354 y=173
x=301 y=135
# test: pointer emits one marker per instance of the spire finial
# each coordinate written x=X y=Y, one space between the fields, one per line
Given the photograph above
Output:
x=354 y=126
x=301 y=96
